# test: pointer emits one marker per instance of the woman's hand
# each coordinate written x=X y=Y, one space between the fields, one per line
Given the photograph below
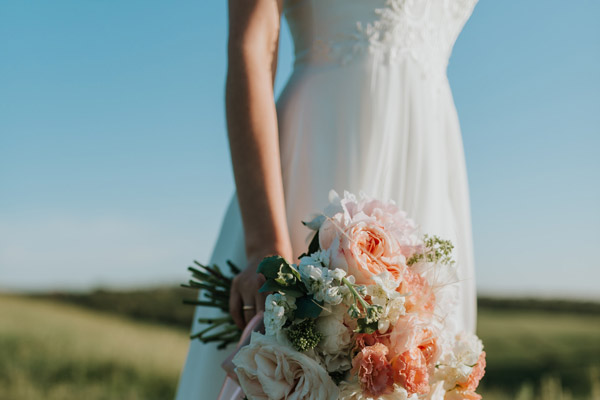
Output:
x=245 y=301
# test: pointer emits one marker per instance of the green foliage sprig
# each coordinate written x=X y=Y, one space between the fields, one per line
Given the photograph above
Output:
x=437 y=251
x=367 y=315
x=284 y=278
x=215 y=287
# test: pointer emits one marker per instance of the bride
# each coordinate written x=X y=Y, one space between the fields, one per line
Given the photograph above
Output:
x=368 y=108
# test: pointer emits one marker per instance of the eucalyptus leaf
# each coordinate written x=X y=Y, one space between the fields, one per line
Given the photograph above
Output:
x=307 y=307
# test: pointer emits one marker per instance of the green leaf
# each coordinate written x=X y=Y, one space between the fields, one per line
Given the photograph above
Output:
x=314 y=244
x=294 y=291
x=307 y=307
x=363 y=327
x=270 y=266
x=271 y=286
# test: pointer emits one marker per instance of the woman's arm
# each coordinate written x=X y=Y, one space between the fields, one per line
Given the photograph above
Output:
x=254 y=143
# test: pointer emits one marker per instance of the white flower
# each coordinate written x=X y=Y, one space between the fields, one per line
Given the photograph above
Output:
x=277 y=310
x=437 y=392
x=322 y=257
x=310 y=272
x=383 y=289
x=337 y=274
x=455 y=364
x=319 y=258
x=352 y=391
x=323 y=283
x=392 y=311
x=383 y=293
x=268 y=370
x=336 y=339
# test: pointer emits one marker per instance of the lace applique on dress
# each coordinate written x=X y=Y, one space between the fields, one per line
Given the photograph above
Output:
x=424 y=30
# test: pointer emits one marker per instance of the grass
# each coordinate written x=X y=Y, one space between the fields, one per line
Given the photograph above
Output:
x=132 y=344
x=57 y=351
x=530 y=348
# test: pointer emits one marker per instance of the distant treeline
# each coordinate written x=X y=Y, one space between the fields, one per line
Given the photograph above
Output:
x=162 y=305
x=165 y=305
x=536 y=304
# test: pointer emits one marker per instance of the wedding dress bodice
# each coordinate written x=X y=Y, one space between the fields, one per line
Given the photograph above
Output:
x=342 y=31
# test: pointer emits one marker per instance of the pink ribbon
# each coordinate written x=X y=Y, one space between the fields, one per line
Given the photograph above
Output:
x=231 y=389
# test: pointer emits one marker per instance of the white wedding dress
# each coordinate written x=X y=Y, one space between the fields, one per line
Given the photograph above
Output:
x=367 y=108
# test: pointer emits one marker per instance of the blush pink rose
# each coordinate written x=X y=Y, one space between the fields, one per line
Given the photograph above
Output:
x=476 y=374
x=375 y=374
x=411 y=371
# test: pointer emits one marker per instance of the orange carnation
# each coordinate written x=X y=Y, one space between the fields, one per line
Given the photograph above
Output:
x=410 y=370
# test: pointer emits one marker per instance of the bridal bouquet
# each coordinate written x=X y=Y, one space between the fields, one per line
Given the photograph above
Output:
x=365 y=314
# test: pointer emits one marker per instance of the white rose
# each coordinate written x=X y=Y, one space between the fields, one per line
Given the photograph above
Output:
x=336 y=335
x=269 y=371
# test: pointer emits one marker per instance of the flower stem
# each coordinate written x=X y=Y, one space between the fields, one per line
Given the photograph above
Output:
x=352 y=287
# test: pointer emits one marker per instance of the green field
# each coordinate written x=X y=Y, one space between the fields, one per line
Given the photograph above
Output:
x=131 y=345
x=54 y=351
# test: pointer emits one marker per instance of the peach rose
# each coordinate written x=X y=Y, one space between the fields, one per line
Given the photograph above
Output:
x=476 y=374
x=363 y=249
x=375 y=373
x=268 y=370
x=367 y=236
x=411 y=371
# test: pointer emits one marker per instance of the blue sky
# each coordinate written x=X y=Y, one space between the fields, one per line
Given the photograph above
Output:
x=114 y=167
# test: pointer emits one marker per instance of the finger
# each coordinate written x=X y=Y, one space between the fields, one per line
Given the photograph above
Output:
x=235 y=307
x=249 y=309
x=260 y=302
